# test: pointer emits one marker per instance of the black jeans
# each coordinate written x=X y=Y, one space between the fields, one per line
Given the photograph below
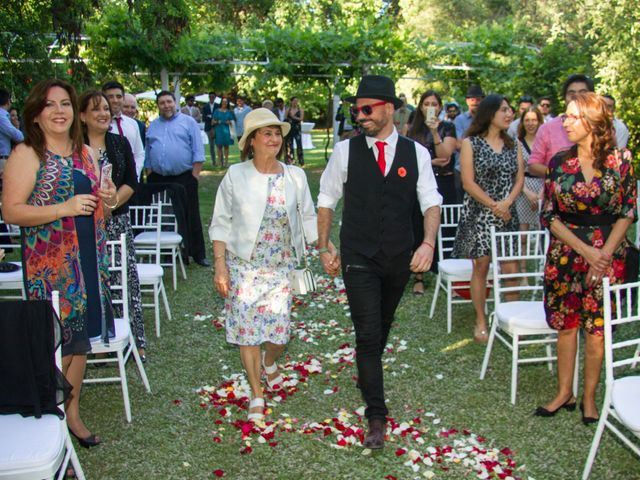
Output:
x=374 y=289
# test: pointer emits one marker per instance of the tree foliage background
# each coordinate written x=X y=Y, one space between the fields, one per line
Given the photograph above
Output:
x=316 y=48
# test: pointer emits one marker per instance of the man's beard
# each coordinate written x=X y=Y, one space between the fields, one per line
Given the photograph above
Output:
x=372 y=128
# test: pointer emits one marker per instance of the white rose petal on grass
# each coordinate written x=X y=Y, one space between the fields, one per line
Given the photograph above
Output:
x=186 y=464
x=439 y=376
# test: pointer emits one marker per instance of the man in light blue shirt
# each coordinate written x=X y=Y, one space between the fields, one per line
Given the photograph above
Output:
x=8 y=133
x=462 y=123
x=175 y=154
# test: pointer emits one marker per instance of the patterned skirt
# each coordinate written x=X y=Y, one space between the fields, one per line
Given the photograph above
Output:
x=117 y=225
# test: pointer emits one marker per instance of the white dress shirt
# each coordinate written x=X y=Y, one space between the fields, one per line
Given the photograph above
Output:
x=622 y=133
x=132 y=133
x=335 y=174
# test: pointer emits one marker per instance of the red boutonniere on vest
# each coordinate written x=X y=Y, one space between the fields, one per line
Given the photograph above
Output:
x=402 y=172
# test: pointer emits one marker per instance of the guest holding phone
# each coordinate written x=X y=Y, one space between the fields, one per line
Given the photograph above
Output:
x=118 y=164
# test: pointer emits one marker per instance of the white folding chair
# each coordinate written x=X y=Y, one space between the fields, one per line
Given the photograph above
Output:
x=36 y=448
x=451 y=270
x=123 y=344
x=146 y=219
x=622 y=385
x=520 y=323
x=12 y=281
x=170 y=239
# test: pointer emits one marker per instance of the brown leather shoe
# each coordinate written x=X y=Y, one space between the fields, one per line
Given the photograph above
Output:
x=375 y=438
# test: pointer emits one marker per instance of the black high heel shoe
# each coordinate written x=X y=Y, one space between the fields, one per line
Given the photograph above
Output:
x=543 y=412
x=587 y=420
x=88 y=442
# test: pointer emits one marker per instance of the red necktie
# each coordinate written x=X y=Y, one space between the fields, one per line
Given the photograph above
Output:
x=118 y=121
x=381 y=162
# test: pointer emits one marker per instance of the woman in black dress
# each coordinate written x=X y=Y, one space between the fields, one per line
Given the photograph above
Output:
x=439 y=137
x=111 y=148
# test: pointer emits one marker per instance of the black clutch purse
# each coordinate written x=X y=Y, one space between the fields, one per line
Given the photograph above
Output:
x=8 y=267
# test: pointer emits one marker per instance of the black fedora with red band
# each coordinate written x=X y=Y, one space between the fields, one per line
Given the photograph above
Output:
x=378 y=87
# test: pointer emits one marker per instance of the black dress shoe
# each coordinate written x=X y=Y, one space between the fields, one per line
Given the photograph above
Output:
x=587 y=420
x=90 y=441
x=203 y=262
x=543 y=412
x=375 y=438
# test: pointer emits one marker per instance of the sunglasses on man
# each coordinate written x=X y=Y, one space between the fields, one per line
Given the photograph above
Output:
x=365 y=109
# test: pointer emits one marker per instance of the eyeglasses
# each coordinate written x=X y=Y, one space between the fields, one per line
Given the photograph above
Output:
x=547 y=105
x=570 y=117
x=365 y=109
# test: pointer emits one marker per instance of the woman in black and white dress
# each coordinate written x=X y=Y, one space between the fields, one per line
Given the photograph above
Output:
x=95 y=115
x=492 y=173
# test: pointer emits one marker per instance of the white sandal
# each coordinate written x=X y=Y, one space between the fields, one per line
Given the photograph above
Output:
x=276 y=383
x=255 y=403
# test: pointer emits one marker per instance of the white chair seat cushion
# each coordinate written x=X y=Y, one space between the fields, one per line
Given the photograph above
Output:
x=523 y=317
x=149 y=272
x=11 y=277
x=166 y=238
x=624 y=399
x=30 y=442
x=116 y=343
x=456 y=267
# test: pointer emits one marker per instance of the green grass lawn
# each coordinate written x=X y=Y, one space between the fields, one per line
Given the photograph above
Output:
x=431 y=379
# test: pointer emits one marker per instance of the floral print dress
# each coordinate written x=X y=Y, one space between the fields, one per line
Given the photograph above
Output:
x=258 y=306
x=569 y=302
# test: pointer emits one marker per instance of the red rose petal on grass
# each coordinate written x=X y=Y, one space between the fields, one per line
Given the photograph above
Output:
x=273 y=444
x=218 y=473
x=400 y=452
x=506 y=451
x=342 y=442
x=218 y=422
x=223 y=412
x=217 y=440
x=390 y=477
x=177 y=402
x=246 y=450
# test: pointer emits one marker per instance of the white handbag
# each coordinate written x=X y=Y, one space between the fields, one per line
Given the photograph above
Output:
x=301 y=278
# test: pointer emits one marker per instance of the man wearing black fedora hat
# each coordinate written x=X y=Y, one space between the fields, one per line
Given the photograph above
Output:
x=382 y=176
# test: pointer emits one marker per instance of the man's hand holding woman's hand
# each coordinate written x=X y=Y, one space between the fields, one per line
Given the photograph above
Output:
x=330 y=260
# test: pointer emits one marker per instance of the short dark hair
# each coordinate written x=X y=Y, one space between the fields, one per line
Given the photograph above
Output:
x=164 y=93
x=525 y=99
x=113 y=84
x=212 y=93
x=545 y=97
x=190 y=97
x=610 y=97
x=5 y=96
x=577 y=77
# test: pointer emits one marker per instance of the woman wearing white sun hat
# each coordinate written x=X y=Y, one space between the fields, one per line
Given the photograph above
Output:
x=257 y=241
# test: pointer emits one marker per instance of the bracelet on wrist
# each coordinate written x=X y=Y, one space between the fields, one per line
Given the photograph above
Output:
x=217 y=257
x=323 y=250
x=114 y=206
x=428 y=244
x=437 y=143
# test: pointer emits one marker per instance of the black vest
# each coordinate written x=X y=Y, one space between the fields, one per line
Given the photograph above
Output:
x=377 y=213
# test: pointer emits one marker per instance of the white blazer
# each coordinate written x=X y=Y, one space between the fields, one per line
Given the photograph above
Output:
x=240 y=203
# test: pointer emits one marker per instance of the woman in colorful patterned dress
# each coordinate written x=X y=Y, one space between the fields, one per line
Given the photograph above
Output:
x=589 y=204
x=111 y=148
x=51 y=191
x=257 y=239
x=492 y=173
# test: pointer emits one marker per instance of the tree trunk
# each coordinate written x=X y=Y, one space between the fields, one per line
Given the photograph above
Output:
x=164 y=78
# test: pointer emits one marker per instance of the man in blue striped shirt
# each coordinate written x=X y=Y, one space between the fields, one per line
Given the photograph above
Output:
x=175 y=154
x=8 y=133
